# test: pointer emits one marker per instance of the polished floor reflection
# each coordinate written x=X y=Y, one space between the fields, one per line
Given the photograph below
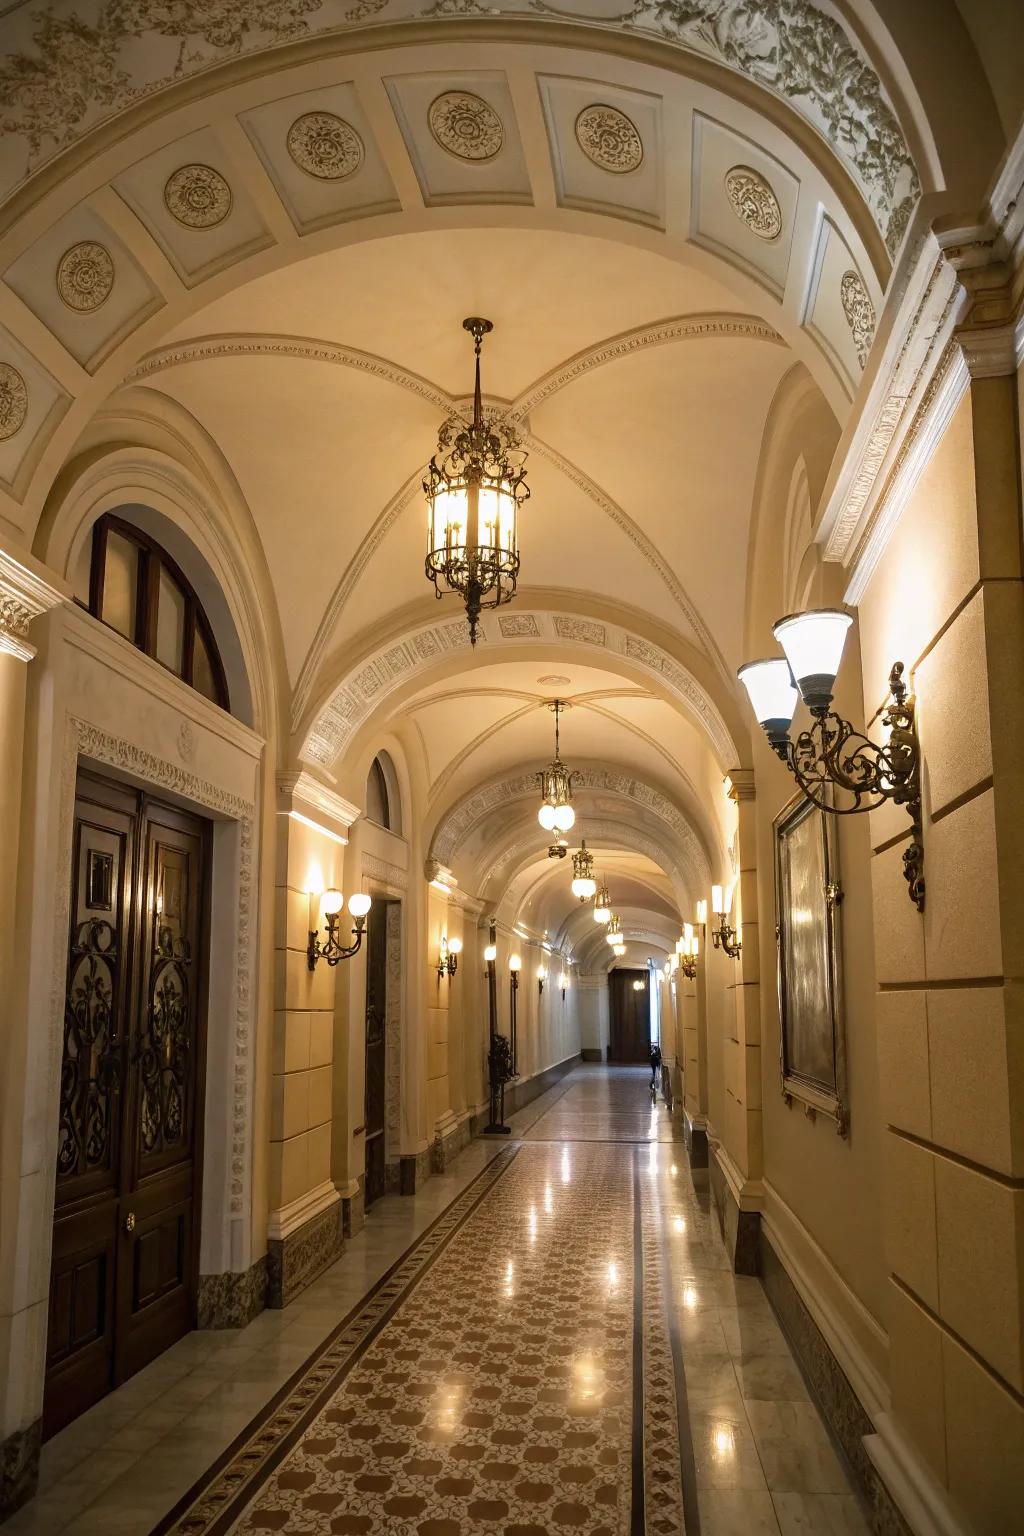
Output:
x=547 y=1339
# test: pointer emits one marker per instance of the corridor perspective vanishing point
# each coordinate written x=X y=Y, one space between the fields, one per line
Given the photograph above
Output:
x=511 y=771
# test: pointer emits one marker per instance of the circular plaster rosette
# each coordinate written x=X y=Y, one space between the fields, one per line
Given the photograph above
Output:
x=85 y=276
x=198 y=196
x=609 y=139
x=325 y=146
x=466 y=125
x=13 y=401
x=754 y=202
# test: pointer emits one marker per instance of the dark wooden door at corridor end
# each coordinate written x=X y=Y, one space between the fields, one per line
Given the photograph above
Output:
x=629 y=1017
x=129 y=1142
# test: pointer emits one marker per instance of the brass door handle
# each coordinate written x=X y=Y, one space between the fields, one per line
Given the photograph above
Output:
x=129 y=1223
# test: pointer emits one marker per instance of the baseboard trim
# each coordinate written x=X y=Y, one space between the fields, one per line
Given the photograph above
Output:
x=19 y=1467
x=232 y=1300
x=296 y=1260
x=525 y=1090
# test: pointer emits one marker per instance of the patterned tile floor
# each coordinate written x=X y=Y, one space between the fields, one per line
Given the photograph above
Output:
x=487 y=1384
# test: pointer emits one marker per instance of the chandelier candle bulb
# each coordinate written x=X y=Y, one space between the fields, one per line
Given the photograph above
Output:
x=702 y=912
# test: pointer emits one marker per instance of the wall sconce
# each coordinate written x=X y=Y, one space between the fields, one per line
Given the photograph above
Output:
x=448 y=959
x=724 y=937
x=702 y=913
x=491 y=953
x=515 y=965
x=542 y=977
x=331 y=904
x=832 y=754
x=639 y=986
x=563 y=982
x=688 y=949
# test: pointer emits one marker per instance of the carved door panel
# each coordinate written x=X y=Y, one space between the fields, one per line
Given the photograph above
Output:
x=123 y=1271
x=155 y=1299
x=80 y=1338
x=376 y=1050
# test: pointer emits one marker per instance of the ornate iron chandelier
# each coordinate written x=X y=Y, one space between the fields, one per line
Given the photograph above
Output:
x=556 y=812
x=475 y=485
x=583 y=883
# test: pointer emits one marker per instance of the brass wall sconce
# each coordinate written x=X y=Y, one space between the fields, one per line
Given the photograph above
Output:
x=563 y=982
x=332 y=950
x=832 y=754
x=724 y=937
x=448 y=959
x=687 y=950
x=542 y=977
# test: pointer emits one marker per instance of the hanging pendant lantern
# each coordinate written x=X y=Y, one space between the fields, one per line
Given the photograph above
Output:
x=583 y=883
x=475 y=485
x=556 y=812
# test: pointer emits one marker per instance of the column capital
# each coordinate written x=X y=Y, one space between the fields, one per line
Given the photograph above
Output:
x=741 y=785
x=301 y=795
x=27 y=589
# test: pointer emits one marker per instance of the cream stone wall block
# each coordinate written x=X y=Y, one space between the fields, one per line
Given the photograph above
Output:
x=319 y=1084
x=923 y=578
x=291 y=1040
x=976 y=1068
x=290 y=1116
x=319 y=1141
x=321 y=1039
x=903 y=1057
x=911 y=1238
x=962 y=920
x=981 y=1244
x=984 y=1443
x=296 y=986
x=289 y=1170
x=899 y=931
x=916 y=1377
x=953 y=709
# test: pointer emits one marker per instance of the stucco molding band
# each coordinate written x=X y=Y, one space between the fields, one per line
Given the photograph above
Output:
x=920 y=1498
x=137 y=53
x=384 y=873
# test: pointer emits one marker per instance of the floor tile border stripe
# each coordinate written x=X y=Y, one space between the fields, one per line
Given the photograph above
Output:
x=687 y=1460
x=217 y=1499
x=638 y=1514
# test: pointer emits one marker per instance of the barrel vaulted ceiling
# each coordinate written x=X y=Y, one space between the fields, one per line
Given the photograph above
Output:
x=261 y=227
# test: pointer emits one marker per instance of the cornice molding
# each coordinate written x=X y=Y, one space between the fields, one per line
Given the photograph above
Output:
x=27 y=589
x=386 y=873
x=301 y=792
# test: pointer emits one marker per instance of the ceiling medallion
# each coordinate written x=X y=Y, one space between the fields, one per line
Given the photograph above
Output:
x=753 y=202
x=608 y=138
x=13 y=401
x=85 y=276
x=475 y=485
x=859 y=312
x=325 y=146
x=465 y=125
x=197 y=196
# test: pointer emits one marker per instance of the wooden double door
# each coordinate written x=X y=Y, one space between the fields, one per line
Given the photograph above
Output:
x=129 y=1142
x=629 y=1017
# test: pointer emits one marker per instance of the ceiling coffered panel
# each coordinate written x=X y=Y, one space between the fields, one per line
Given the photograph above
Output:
x=606 y=147
x=461 y=135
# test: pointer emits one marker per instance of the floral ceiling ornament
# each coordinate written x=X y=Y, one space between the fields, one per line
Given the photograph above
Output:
x=13 y=401
x=609 y=139
x=197 y=196
x=325 y=146
x=859 y=312
x=85 y=276
x=465 y=125
x=65 y=78
x=754 y=202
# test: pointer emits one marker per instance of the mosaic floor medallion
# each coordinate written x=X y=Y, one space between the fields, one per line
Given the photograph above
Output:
x=512 y=1374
